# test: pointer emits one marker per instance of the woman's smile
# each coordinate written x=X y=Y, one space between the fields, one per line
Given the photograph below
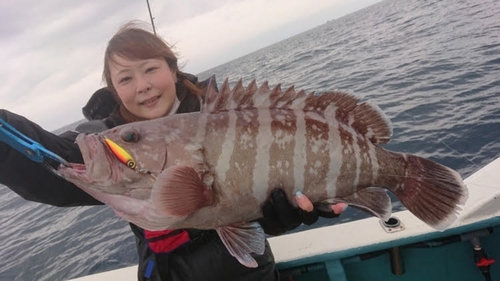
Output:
x=151 y=102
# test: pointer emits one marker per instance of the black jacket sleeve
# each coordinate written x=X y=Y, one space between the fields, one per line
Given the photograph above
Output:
x=31 y=180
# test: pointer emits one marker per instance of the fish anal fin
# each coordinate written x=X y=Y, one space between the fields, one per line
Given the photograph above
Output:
x=375 y=200
x=243 y=239
x=179 y=191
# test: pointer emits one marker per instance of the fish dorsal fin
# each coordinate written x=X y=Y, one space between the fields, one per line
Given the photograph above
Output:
x=366 y=117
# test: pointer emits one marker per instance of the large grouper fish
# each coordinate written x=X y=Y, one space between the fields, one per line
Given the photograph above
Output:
x=215 y=168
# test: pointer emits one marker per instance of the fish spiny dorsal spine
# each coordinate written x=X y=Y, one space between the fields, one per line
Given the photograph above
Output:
x=290 y=137
x=366 y=117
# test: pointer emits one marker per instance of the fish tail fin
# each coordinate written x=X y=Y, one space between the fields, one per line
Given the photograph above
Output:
x=432 y=192
x=179 y=191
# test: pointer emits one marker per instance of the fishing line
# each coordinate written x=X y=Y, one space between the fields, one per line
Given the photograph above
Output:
x=453 y=150
x=449 y=147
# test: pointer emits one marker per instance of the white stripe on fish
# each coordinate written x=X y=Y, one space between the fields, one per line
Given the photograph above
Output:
x=223 y=163
x=262 y=165
x=299 y=154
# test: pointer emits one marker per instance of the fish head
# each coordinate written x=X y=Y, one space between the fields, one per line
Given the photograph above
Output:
x=119 y=160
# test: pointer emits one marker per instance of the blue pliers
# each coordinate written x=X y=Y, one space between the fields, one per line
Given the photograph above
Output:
x=30 y=148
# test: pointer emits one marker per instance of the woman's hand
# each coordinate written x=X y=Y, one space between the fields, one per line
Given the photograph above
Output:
x=323 y=210
x=281 y=216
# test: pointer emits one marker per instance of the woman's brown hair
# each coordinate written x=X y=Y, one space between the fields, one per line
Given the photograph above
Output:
x=134 y=43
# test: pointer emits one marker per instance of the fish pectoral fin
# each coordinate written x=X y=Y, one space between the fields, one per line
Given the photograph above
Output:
x=375 y=200
x=179 y=191
x=243 y=239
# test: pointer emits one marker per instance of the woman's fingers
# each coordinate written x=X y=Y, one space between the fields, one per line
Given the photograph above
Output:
x=339 y=208
x=306 y=204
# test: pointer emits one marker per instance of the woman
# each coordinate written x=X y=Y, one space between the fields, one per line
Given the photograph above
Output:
x=142 y=75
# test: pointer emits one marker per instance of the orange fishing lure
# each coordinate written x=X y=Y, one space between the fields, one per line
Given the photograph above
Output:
x=125 y=157
x=121 y=153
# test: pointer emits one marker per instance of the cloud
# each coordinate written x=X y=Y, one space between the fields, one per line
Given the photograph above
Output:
x=52 y=51
x=218 y=31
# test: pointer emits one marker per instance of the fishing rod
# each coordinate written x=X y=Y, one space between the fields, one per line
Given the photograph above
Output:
x=151 y=17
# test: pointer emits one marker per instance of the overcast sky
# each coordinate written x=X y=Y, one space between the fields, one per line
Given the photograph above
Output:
x=51 y=51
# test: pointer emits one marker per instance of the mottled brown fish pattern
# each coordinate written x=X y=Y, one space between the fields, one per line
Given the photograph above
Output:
x=215 y=168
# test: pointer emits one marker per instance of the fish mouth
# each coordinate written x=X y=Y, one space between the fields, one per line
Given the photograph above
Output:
x=97 y=160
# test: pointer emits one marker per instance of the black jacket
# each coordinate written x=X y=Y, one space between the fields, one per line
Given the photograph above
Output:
x=203 y=258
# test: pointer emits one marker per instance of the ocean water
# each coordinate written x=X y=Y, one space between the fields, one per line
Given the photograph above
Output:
x=432 y=66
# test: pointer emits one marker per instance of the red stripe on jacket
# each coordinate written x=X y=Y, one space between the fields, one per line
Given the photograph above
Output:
x=166 y=241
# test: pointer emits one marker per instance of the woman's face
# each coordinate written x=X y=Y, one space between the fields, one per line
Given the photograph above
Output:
x=145 y=87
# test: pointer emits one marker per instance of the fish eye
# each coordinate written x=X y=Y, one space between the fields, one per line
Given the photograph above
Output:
x=131 y=136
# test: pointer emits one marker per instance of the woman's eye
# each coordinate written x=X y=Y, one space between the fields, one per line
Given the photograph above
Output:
x=151 y=69
x=131 y=136
x=124 y=79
